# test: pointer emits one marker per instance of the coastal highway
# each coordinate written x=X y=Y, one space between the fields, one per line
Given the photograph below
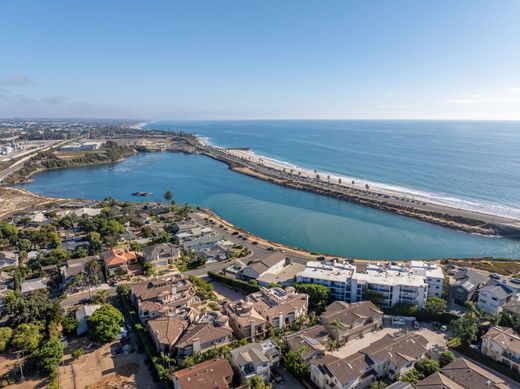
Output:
x=18 y=164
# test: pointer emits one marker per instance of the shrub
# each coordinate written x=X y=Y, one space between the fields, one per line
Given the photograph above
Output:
x=239 y=284
x=77 y=353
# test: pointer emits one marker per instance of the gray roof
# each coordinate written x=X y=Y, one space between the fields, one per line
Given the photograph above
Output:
x=470 y=279
x=499 y=291
x=249 y=353
x=151 y=252
x=206 y=239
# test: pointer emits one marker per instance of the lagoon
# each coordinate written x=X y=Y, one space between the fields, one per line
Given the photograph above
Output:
x=284 y=215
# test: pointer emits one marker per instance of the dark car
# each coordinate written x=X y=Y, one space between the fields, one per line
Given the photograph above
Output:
x=276 y=376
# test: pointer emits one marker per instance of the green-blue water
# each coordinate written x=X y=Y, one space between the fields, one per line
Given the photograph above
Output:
x=280 y=214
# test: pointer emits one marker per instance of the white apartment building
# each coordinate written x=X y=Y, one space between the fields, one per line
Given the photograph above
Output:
x=334 y=275
x=434 y=276
x=394 y=284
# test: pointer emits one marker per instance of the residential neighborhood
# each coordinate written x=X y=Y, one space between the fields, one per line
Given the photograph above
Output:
x=210 y=306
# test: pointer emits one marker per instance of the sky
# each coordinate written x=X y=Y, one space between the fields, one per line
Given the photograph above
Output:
x=260 y=59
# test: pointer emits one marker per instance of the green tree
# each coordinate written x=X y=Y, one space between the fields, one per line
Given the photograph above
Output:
x=293 y=361
x=105 y=323
x=435 y=306
x=427 y=366
x=94 y=239
x=5 y=337
x=445 y=358
x=48 y=356
x=412 y=376
x=55 y=239
x=319 y=295
x=92 y=270
x=466 y=326
x=510 y=320
x=377 y=385
x=257 y=383
x=100 y=297
x=33 y=308
x=24 y=245
x=69 y=325
x=26 y=337
x=331 y=344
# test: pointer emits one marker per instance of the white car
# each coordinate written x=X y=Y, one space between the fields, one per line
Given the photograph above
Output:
x=397 y=321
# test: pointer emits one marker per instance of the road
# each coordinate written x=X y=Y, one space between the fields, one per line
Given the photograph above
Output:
x=19 y=164
x=259 y=248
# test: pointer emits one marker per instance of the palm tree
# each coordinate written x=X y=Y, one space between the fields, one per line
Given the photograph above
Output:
x=331 y=344
x=168 y=196
x=92 y=269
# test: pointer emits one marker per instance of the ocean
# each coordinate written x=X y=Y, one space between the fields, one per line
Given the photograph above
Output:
x=470 y=163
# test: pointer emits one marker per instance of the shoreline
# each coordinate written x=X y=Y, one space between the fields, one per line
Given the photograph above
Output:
x=244 y=161
x=44 y=201
x=470 y=221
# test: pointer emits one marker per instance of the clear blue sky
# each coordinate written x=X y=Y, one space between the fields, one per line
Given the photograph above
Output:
x=260 y=59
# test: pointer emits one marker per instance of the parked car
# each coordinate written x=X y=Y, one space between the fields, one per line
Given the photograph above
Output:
x=320 y=258
x=270 y=248
x=444 y=328
x=495 y=276
x=416 y=325
x=397 y=321
x=276 y=376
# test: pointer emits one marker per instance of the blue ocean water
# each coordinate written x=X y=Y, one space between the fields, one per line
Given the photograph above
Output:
x=474 y=164
x=292 y=217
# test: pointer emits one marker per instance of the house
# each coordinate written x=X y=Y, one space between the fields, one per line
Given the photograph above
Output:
x=6 y=281
x=309 y=343
x=160 y=255
x=72 y=245
x=463 y=374
x=255 y=359
x=466 y=283
x=82 y=315
x=271 y=263
x=213 y=373
x=118 y=260
x=278 y=306
x=285 y=276
x=8 y=258
x=161 y=296
x=389 y=356
x=493 y=296
x=217 y=253
x=200 y=244
x=346 y=321
x=212 y=330
x=503 y=345
x=244 y=320
x=34 y=284
x=75 y=266
x=165 y=331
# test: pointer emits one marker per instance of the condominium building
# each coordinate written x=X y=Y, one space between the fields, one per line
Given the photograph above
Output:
x=394 y=283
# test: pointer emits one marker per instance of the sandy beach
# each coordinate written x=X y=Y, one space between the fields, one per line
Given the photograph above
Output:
x=396 y=193
x=447 y=212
